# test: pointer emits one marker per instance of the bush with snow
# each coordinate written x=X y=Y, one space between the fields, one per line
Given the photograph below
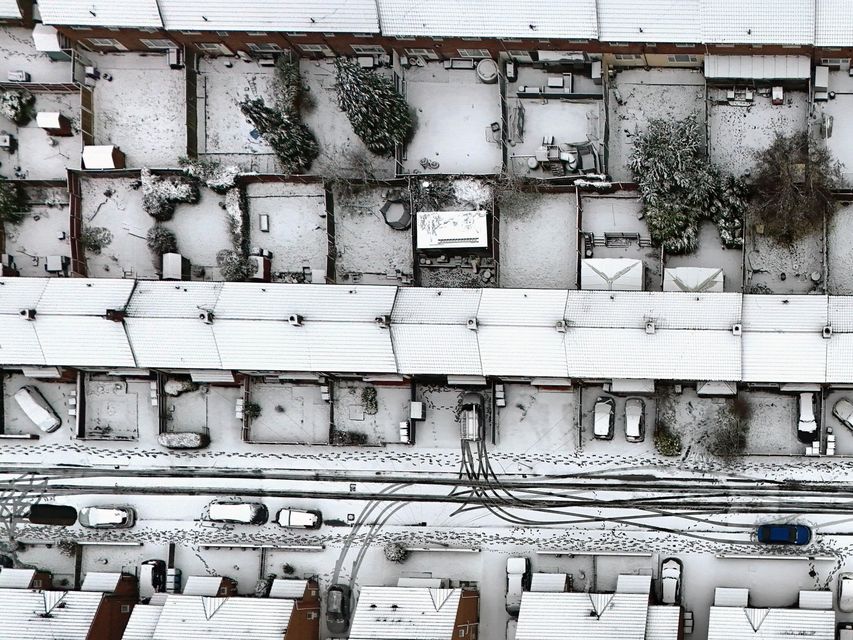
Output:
x=17 y=105
x=173 y=387
x=161 y=240
x=14 y=202
x=238 y=218
x=234 y=266
x=95 y=239
x=396 y=552
x=161 y=194
x=216 y=177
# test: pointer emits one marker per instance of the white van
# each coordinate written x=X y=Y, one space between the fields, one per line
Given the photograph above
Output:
x=299 y=519
x=238 y=512
x=33 y=404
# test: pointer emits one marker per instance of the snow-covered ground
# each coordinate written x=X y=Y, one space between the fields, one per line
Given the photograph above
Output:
x=379 y=420
x=833 y=122
x=290 y=413
x=773 y=424
x=18 y=53
x=640 y=95
x=536 y=420
x=619 y=444
x=142 y=109
x=55 y=393
x=209 y=216
x=454 y=112
x=41 y=233
x=839 y=251
x=777 y=268
x=538 y=240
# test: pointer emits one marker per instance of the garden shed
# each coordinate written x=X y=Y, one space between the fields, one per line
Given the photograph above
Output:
x=452 y=230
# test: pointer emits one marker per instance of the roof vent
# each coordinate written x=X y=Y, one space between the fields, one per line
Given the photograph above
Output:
x=561 y=326
x=472 y=324
x=384 y=321
x=827 y=331
x=650 y=327
x=206 y=316
x=295 y=319
x=737 y=329
x=29 y=314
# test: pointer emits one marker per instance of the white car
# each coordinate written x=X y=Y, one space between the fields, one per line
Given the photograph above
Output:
x=604 y=418
x=670 y=581
x=807 y=423
x=299 y=519
x=107 y=517
x=843 y=411
x=37 y=409
x=845 y=592
x=635 y=420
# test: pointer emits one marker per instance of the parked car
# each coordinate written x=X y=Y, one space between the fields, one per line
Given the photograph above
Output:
x=635 y=420
x=807 y=423
x=183 y=440
x=60 y=515
x=32 y=403
x=152 y=578
x=796 y=534
x=845 y=592
x=238 y=512
x=108 y=517
x=471 y=417
x=604 y=418
x=670 y=581
x=843 y=410
x=299 y=518
x=338 y=608
x=517 y=579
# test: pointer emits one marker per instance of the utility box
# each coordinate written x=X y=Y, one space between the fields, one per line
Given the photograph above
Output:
x=176 y=267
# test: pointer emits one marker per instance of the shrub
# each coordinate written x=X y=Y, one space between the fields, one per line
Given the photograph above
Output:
x=288 y=85
x=728 y=439
x=288 y=569
x=17 y=105
x=251 y=410
x=396 y=552
x=14 y=202
x=667 y=442
x=292 y=142
x=217 y=178
x=67 y=547
x=379 y=115
x=234 y=266
x=238 y=218
x=160 y=240
x=160 y=195
x=95 y=239
x=368 y=401
x=793 y=181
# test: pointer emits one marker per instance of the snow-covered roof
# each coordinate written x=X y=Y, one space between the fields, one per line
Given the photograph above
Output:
x=833 y=23
x=100 y=13
x=202 y=586
x=440 y=349
x=435 y=306
x=288 y=588
x=405 y=613
x=336 y=16
x=749 y=67
x=649 y=21
x=20 y=611
x=71 y=296
x=16 y=578
x=541 y=352
x=612 y=274
x=9 y=10
x=744 y=623
x=156 y=299
x=784 y=357
x=205 y=618
x=173 y=343
x=663 y=622
x=575 y=19
x=694 y=279
x=784 y=313
x=142 y=623
x=789 y=22
x=522 y=307
x=100 y=581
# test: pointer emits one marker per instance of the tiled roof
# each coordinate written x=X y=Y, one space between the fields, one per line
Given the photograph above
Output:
x=204 y=618
x=758 y=21
x=648 y=21
x=833 y=23
x=726 y=623
x=95 y=13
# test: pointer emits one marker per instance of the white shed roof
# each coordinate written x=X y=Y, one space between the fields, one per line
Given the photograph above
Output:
x=694 y=279
x=16 y=578
x=223 y=618
x=758 y=21
x=663 y=622
x=833 y=23
x=9 y=9
x=612 y=274
x=202 y=586
x=337 y=16
x=649 y=21
x=20 y=609
x=405 y=613
x=575 y=19
x=100 y=13
x=726 y=623
x=142 y=623
x=100 y=581
x=288 y=588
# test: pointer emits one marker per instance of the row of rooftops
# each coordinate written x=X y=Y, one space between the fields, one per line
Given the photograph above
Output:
x=822 y=23
x=534 y=333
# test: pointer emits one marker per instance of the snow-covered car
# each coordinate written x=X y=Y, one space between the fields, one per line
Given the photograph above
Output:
x=517 y=578
x=845 y=592
x=238 y=512
x=299 y=519
x=183 y=440
x=604 y=417
x=107 y=517
x=670 y=581
x=807 y=423
x=843 y=411
x=32 y=403
x=471 y=417
x=635 y=420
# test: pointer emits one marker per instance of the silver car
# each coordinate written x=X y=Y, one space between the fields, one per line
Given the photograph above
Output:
x=635 y=420
x=107 y=517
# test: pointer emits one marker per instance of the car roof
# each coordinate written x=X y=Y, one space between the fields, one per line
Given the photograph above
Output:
x=105 y=515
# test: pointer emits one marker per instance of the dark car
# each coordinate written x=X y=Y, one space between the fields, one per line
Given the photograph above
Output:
x=797 y=534
x=56 y=514
x=338 y=608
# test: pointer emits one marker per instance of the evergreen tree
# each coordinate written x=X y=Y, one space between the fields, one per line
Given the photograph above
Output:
x=292 y=141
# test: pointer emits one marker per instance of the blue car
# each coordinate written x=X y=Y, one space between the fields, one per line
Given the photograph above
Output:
x=797 y=534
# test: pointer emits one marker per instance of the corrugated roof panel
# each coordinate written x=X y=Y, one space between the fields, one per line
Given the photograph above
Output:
x=726 y=623
x=522 y=351
x=522 y=307
x=19 y=342
x=20 y=293
x=840 y=313
x=592 y=616
x=664 y=355
x=100 y=13
x=83 y=341
x=288 y=588
x=20 y=609
x=84 y=296
x=9 y=10
x=631 y=583
x=158 y=299
x=223 y=618
x=262 y=345
x=437 y=306
x=499 y=18
x=833 y=23
x=758 y=21
x=784 y=313
x=16 y=578
x=752 y=67
x=784 y=357
x=668 y=310
x=173 y=343
x=337 y=16
x=100 y=581
x=202 y=586
x=436 y=349
x=392 y=613
x=663 y=623
x=142 y=623
x=350 y=347
x=649 y=21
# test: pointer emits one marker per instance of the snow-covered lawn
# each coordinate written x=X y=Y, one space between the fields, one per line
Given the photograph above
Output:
x=15 y=421
x=777 y=268
x=737 y=133
x=297 y=233
x=38 y=236
x=202 y=232
x=381 y=424
x=539 y=239
x=142 y=109
x=618 y=445
x=640 y=95
x=290 y=413
x=18 y=53
x=454 y=112
x=839 y=251
x=536 y=420
x=366 y=246
x=711 y=253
